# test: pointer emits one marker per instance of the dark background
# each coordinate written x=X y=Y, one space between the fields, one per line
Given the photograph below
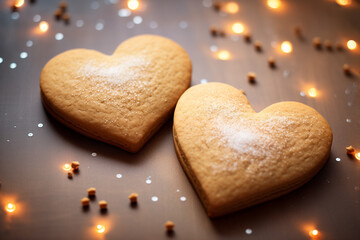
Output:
x=47 y=201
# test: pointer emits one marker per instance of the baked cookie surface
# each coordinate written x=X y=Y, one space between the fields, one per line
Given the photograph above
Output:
x=122 y=99
x=235 y=157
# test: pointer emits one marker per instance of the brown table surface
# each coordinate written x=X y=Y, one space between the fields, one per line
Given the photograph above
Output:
x=47 y=201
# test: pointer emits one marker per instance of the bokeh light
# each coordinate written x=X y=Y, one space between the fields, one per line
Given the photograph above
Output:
x=274 y=3
x=223 y=55
x=314 y=234
x=19 y=3
x=351 y=44
x=343 y=2
x=312 y=92
x=231 y=7
x=238 y=27
x=43 y=26
x=10 y=207
x=286 y=47
x=133 y=4
x=100 y=228
x=67 y=167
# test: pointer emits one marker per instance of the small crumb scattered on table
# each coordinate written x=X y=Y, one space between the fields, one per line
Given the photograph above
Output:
x=328 y=45
x=63 y=6
x=317 y=42
x=347 y=70
x=66 y=18
x=258 y=46
x=133 y=197
x=91 y=192
x=251 y=77
x=103 y=205
x=85 y=202
x=271 y=62
x=58 y=14
x=169 y=226
x=247 y=37
x=75 y=165
x=350 y=150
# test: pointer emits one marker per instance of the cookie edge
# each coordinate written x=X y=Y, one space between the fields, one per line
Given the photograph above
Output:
x=132 y=148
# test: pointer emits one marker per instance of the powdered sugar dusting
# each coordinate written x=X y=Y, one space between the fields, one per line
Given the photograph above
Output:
x=117 y=72
x=248 y=139
x=242 y=141
x=127 y=77
x=115 y=85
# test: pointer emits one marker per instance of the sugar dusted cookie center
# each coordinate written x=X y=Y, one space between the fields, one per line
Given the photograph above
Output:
x=119 y=71
x=255 y=141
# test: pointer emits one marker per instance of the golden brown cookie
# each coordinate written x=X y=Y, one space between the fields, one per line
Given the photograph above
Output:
x=235 y=157
x=122 y=99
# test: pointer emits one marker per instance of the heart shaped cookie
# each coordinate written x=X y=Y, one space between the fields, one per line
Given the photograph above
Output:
x=122 y=99
x=235 y=157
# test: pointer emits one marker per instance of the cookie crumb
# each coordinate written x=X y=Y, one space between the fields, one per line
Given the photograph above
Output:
x=347 y=70
x=63 y=6
x=14 y=8
x=66 y=18
x=339 y=47
x=222 y=33
x=213 y=31
x=169 y=226
x=85 y=202
x=133 y=198
x=298 y=31
x=317 y=42
x=271 y=62
x=251 y=77
x=103 y=205
x=91 y=192
x=70 y=174
x=350 y=150
x=216 y=6
x=247 y=37
x=328 y=45
x=258 y=46
x=75 y=165
x=58 y=14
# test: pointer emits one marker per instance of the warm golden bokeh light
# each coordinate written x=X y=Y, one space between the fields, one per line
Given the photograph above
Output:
x=286 y=47
x=100 y=228
x=238 y=28
x=343 y=2
x=357 y=156
x=314 y=233
x=133 y=4
x=312 y=92
x=10 y=207
x=231 y=7
x=67 y=167
x=351 y=44
x=43 y=26
x=274 y=3
x=19 y=3
x=223 y=55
